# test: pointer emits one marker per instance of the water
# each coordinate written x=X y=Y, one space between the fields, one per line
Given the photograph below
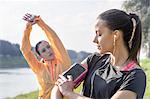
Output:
x=16 y=81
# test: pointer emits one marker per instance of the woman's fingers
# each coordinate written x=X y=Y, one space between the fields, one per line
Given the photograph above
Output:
x=29 y=17
x=70 y=78
x=24 y=18
x=60 y=81
x=63 y=78
x=27 y=14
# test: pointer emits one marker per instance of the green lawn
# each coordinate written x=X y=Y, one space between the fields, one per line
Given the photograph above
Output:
x=31 y=95
x=146 y=66
x=144 y=63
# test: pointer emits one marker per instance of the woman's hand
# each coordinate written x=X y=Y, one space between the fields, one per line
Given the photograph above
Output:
x=33 y=19
x=29 y=18
x=65 y=85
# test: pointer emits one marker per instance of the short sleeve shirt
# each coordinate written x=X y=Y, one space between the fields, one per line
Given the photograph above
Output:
x=103 y=80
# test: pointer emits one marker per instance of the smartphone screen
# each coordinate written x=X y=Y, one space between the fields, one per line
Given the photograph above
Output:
x=75 y=71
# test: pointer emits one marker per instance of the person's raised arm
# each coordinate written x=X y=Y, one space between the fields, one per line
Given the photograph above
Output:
x=26 y=49
x=57 y=46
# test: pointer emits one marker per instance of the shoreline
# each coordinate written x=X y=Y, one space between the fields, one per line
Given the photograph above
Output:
x=14 y=66
x=16 y=81
x=30 y=94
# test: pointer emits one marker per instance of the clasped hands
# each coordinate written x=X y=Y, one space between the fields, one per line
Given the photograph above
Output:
x=31 y=19
x=66 y=85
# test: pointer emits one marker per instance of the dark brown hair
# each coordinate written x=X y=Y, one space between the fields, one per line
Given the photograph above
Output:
x=120 y=20
x=37 y=46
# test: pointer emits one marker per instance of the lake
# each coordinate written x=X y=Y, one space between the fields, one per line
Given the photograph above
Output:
x=17 y=81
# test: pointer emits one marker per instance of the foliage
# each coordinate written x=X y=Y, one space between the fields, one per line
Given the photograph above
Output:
x=12 y=62
x=8 y=49
x=146 y=66
x=141 y=8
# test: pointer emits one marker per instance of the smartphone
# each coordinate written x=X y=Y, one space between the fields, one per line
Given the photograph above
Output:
x=77 y=71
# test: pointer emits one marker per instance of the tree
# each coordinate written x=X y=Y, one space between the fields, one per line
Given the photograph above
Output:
x=82 y=55
x=8 y=49
x=142 y=8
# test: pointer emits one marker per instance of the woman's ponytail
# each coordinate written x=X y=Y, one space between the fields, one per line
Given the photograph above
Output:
x=136 y=37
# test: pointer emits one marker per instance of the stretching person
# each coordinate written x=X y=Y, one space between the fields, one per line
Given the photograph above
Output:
x=114 y=72
x=55 y=57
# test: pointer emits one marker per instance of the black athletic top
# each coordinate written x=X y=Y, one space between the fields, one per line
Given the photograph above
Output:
x=103 y=80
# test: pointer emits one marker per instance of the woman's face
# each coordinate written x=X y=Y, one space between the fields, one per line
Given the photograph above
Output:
x=104 y=37
x=46 y=51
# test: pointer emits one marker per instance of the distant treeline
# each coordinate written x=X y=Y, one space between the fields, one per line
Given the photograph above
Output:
x=8 y=49
x=11 y=56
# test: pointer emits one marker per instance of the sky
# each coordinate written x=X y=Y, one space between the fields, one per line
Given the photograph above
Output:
x=72 y=20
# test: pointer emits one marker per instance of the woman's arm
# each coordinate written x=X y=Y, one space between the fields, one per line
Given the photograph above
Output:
x=55 y=93
x=73 y=95
x=124 y=94
x=133 y=86
x=26 y=49
x=66 y=87
x=56 y=44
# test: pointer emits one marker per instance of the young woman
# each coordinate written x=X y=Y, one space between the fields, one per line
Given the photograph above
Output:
x=114 y=72
x=55 y=58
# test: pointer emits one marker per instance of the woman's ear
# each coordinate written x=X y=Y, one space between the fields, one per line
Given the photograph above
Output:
x=116 y=34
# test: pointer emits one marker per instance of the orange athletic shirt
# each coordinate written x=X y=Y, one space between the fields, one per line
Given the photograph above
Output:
x=47 y=72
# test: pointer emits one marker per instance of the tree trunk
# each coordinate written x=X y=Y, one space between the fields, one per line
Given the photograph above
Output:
x=148 y=54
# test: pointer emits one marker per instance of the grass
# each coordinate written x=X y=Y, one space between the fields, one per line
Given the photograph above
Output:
x=31 y=95
x=146 y=66
x=144 y=63
x=34 y=95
